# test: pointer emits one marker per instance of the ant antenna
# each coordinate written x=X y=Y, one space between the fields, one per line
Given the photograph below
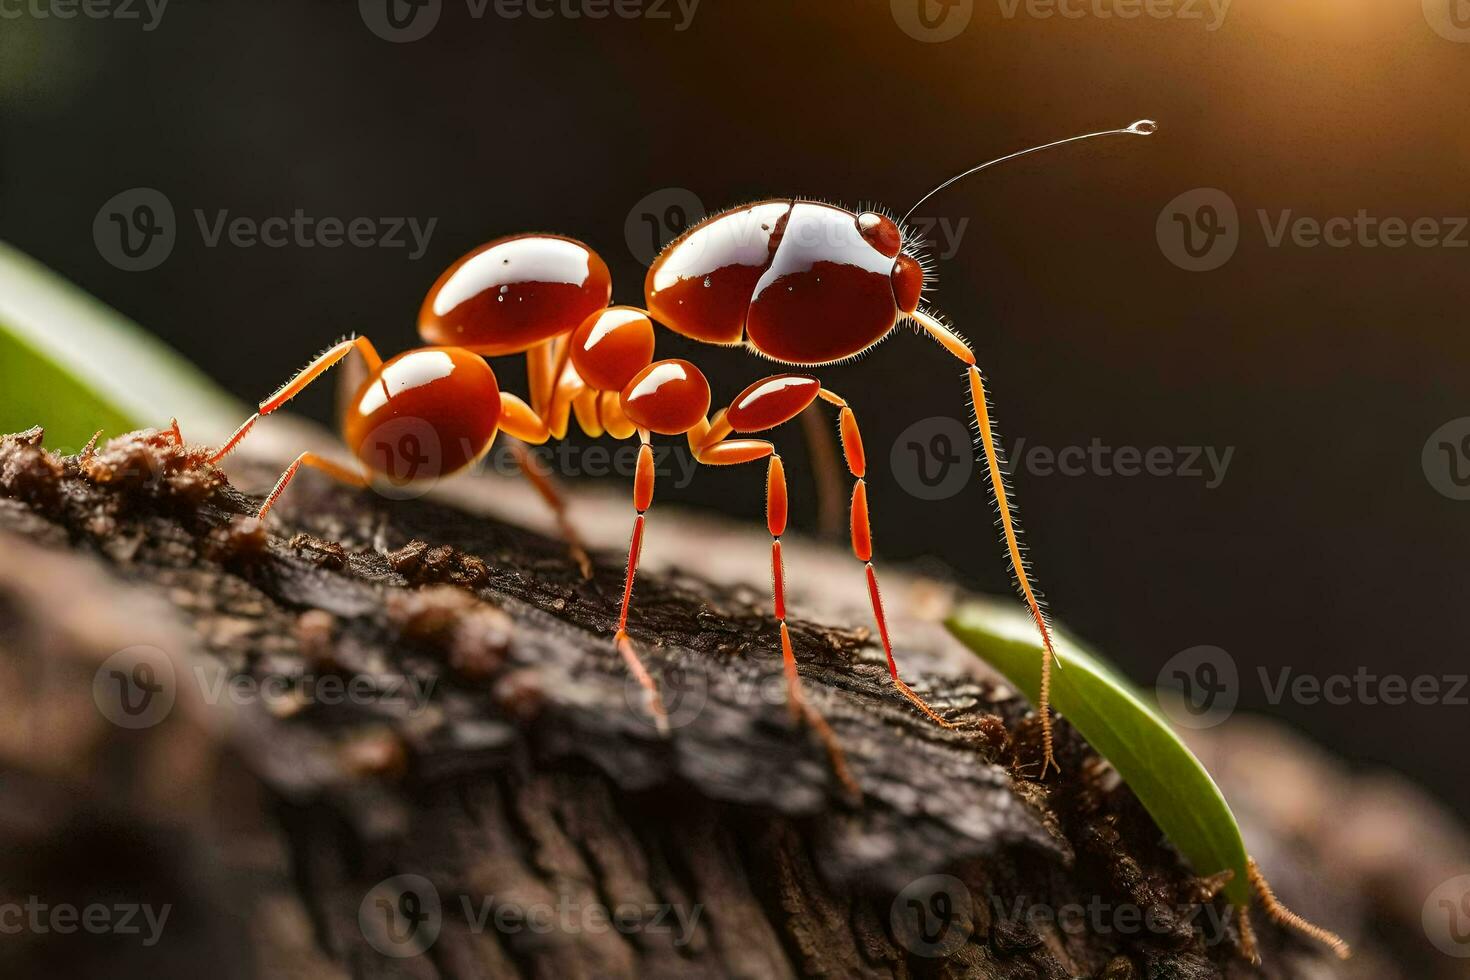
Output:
x=1144 y=127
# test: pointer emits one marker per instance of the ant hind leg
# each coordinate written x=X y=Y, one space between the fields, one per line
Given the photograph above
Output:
x=292 y=388
x=521 y=422
x=334 y=470
x=733 y=452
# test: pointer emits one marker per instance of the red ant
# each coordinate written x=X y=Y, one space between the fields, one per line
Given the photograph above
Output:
x=798 y=282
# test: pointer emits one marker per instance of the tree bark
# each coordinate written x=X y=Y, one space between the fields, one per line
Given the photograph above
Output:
x=399 y=742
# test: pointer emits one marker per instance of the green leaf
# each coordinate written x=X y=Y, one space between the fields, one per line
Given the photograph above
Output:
x=73 y=365
x=1165 y=776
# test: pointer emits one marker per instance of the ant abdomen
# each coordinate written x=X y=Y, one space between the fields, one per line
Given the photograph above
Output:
x=424 y=414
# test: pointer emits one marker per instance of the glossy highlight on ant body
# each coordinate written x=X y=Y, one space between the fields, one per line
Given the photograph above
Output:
x=799 y=282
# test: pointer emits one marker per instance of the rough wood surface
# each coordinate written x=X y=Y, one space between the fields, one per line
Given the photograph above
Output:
x=388 y=713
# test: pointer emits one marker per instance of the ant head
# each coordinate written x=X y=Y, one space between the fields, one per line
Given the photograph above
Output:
x=880 y=231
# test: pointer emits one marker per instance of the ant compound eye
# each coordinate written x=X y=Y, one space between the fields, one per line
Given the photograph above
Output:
x=879 y=231
x=908 y=283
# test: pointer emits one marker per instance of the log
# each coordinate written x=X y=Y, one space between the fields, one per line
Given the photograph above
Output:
x=392 y=738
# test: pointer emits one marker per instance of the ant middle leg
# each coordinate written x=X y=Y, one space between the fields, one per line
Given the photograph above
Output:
x=862 y=542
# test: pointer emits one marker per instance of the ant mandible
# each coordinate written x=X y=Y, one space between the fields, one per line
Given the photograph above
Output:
x=799 y=282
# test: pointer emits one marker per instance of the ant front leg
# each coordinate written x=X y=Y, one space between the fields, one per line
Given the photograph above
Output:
x=521 y=422
x=1010 y=530
x=335 y=470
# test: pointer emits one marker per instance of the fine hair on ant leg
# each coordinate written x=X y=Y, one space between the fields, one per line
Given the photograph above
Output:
x=989 y=442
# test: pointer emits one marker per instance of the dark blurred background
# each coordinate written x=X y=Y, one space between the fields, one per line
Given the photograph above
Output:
x=1331 y=543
